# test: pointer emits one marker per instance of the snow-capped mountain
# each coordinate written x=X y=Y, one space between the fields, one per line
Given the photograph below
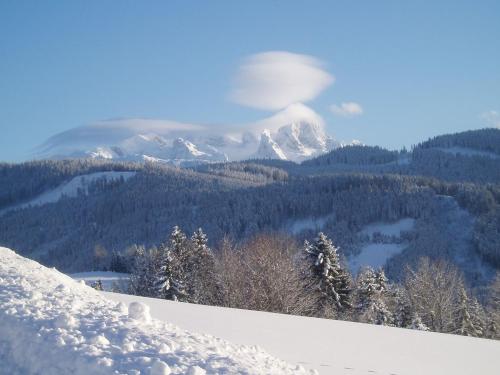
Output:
x=295 y=133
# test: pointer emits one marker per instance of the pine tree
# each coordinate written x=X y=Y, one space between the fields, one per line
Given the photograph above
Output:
x=202 y=274
x=367 y=288
x=464 y=321
x=143 y=271
x=416 y=323
x=478 y=317
x=371 y=301
x=402 y=309
x=327 y=273
x=381 y=281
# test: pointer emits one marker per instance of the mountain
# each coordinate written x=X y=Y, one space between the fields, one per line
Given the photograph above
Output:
x=296 y=133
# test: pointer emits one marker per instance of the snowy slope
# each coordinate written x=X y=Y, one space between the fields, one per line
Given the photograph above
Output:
x=334 y=347
x=51 y=325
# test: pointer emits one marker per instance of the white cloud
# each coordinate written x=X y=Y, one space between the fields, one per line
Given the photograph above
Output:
x=347 y=109
x=492 y=118
x=273 y=80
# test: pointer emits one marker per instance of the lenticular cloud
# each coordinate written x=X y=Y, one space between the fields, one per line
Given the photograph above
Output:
x=273 y=80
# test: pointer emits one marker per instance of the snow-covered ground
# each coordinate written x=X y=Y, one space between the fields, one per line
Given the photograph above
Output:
x=375 y=254
x=311 y=223
x=51 y=324
x=334 y=347
x=389 y=229
x=107 y=278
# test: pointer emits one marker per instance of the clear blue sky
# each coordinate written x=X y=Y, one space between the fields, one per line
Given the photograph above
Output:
x=417 y=68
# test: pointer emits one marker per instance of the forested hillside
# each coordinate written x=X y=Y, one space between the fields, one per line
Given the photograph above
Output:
x=453 y=198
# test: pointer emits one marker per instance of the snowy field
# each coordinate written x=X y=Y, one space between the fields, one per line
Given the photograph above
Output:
x=334 y=347
x=389 y=229
x=52 y=325
x=375 y=254
x=107 y=278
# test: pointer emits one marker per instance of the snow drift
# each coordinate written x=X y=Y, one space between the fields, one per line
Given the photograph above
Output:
x=51 y=324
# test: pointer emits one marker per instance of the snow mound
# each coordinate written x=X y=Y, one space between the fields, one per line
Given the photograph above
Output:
x=139 y=311
x=75 y=330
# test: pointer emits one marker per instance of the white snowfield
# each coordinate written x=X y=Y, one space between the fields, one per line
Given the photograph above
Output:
x=51 y=325
x=334 y=347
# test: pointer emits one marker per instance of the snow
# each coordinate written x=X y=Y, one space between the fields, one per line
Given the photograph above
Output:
x=71 y=188
x=295 y=133
x=333 y=347
x=389 y=229
x=52 y=324
x=375 y=254
x=310 y=223
x=107 y=278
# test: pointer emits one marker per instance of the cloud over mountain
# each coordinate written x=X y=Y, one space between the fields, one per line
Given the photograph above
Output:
x=274 y=80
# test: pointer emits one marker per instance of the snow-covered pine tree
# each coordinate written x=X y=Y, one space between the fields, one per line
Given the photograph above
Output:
x=163 y=279
x=180 y=259
x=416 y=323
x=327 y=273
x=464 y=324
x=491 y=331
x=203 y=279
x=381 y=281
x=142 y=277
x=478 y=317
x=367 y=288
x=402 y=309
x=370 y=293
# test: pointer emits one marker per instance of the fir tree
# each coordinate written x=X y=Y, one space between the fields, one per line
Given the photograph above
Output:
x=464 y=321
x=367 y=288
x=328 y=275
x=402 y=309
x=416 y=323
x=203 y=279
x=142 y=277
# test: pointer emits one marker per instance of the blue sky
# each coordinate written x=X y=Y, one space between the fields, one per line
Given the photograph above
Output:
x=416 y=69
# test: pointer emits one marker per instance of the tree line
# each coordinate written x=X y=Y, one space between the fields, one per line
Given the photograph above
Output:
x=271 y=272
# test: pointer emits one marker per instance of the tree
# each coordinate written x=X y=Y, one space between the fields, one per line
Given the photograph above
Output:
x=327 y=274
x=464 y=322
x=434 y=290
x=261 y=274
x=204 y=285
x=403 y=315
x=416 y=323
x=142 y=281
x=370 y=293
